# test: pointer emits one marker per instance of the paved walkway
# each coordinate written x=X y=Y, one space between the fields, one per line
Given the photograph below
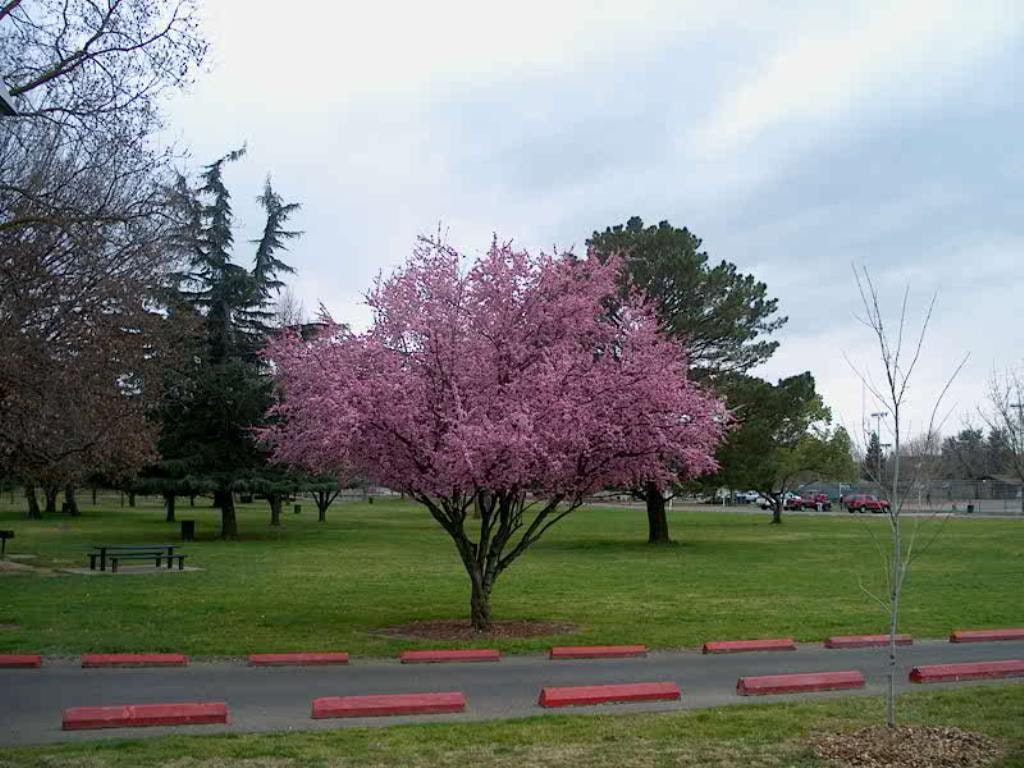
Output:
x=279 y=699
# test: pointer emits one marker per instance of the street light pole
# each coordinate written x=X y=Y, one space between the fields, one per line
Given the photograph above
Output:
x=878 y=416
x=881 y=449
x=1020 y=444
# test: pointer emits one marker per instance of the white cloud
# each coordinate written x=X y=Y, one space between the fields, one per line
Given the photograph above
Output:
x=305 y=54
x=903 y=50
x=794 y=137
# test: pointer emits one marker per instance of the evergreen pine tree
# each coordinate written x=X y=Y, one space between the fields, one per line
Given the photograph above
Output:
x=223 y=391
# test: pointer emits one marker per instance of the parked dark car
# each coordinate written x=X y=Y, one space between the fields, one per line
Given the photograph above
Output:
x=865 y=502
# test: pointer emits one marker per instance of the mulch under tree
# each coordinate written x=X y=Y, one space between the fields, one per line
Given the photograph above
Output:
x=462 y=629
x=907 y=747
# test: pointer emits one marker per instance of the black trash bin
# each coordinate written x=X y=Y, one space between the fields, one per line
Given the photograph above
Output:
x=970 y=509
x=188 y=530
x=297 y=509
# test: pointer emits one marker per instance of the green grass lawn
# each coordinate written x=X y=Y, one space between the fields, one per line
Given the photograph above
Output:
x=307 y=585
x=750 y=736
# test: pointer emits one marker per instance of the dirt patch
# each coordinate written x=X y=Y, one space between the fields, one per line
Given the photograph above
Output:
x=9 y=626
x=11 y=567
x=908 y=747
x=461 y=629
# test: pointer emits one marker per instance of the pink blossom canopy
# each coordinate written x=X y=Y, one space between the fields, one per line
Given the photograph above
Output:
x=508 y=376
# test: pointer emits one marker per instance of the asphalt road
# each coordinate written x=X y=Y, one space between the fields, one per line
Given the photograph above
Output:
x=280 y=699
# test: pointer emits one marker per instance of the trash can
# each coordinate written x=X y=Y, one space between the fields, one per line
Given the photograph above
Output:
x=297 y=509
x=188 y=530
x=970 y=509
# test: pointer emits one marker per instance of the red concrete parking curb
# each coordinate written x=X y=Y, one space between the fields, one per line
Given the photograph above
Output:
x=865 y=641
x=742 y=646
x=20 y=660
x=986 y=635
x=436 y=657
x=139 y=715
x=134 y=660
x=799 y=683
x=981 y=670
x=296 y=659
x=583 y=695
x=389 y=704
x=597 y=651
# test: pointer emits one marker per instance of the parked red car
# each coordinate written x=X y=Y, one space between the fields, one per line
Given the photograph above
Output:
x=865 y=502
x=813 y=500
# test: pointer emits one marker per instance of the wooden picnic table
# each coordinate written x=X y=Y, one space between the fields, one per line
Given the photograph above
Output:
x=158 y=550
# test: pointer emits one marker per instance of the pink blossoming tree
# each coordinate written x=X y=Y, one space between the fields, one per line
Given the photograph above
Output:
x=506 y=386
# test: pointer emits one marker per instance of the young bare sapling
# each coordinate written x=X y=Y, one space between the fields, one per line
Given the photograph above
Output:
x=888 y=384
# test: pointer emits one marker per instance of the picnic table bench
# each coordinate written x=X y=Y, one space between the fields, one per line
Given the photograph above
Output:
x=116 y=553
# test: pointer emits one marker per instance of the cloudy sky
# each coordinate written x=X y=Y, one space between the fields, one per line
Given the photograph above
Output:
x=796 y=141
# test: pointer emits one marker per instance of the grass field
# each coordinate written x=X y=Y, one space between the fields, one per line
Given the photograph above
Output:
x=749 y=736
x=307 y=585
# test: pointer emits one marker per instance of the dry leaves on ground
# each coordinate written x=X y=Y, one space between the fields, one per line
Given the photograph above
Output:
x=461 y=629
x=908 y=747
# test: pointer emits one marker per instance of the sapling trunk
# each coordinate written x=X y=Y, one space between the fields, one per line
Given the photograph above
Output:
x=894 y=609
x=897 y=572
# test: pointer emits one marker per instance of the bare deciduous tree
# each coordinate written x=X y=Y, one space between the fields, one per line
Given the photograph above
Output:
x=83 y=229
x=88 y=64
x=289 y=312
x=899 y=355
x=1004 y=414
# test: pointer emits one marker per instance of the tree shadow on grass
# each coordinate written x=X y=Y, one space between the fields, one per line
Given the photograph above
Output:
x=613 y=545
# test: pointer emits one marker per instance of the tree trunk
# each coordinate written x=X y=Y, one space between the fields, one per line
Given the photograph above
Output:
x=70 y=502
x=228 y=523
x=169 y=499
x=94 y=495
x=896 y=575
x=191 y=499
x=657 y=521
x=482 y=500
x=275 y=508
x=777 y=510
x=131 y=498
x=321 y=506
x=480 y=604
x=50 y=493
x=33 y=503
